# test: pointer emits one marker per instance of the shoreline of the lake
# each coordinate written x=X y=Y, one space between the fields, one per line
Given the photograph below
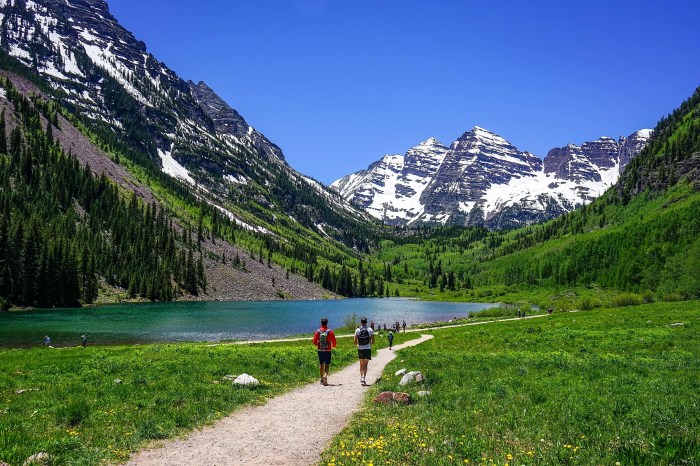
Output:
x=212 y=321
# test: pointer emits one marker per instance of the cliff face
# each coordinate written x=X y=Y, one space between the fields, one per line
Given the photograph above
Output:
x=482 y=179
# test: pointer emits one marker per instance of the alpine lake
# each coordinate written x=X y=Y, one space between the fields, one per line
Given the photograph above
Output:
x=212 y=321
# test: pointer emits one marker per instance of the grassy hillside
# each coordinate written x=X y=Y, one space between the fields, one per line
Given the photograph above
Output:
x=614 y=386
x=641 y=237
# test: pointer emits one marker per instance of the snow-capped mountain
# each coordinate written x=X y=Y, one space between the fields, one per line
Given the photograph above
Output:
x=482 y=179
x=108 y=76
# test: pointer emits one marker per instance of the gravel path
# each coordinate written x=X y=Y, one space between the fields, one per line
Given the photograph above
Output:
x=291 y=429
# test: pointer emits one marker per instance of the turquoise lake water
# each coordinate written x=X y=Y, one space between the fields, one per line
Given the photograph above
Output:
x=210 y=321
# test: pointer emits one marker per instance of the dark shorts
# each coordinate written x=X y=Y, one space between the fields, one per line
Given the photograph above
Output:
x=324 y=357
x=364 y=353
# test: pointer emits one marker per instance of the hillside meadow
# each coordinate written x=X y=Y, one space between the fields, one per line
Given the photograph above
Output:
x=607 y=386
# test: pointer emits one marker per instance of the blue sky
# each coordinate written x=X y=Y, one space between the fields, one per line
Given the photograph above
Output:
x=339 y=83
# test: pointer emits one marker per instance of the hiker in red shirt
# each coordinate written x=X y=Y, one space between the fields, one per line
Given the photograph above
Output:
x=324 y=339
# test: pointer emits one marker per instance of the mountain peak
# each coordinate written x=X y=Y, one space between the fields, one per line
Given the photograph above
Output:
x=431 y=141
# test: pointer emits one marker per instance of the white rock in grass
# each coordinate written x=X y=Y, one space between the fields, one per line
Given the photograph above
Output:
x=245 y=379
x=412 y=376
x=400 y=372
x=423 y=393
x=38 y=459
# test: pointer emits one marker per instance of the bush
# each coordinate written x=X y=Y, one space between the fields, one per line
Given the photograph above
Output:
x=673 y=297
x=627 y=299
x=648 y=296
x=350 y=322
x=588 y=303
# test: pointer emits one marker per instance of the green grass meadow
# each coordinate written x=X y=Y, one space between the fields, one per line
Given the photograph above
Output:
x=607 y=386
x=65 y=402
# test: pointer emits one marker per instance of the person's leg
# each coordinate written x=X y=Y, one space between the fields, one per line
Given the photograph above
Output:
x=363 y=368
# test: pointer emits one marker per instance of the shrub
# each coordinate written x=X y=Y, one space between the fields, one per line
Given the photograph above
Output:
x=627 y=299
x=588 y=303
x=673 y=297
x=350 y=322
x=648 y=296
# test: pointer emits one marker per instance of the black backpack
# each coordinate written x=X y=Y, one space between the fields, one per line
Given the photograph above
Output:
x=363 y=337
x=323 y=339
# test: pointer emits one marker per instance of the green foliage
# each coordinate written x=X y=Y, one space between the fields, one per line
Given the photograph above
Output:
x=627 y=299
x=600 y=387
x=98 y=405
x=62 y=229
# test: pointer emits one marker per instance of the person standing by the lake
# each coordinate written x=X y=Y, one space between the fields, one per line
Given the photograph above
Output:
x=364 y=338
x=404 y=326
x=47 y=341
x=83 y=339
x=324 y=339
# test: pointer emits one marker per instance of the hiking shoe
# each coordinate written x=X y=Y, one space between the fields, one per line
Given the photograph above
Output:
x=362 y=381
x=324 y=381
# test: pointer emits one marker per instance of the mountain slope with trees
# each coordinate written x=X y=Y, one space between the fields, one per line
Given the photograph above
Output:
x=642 y=236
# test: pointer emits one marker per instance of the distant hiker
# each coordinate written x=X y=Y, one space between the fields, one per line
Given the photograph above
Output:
x=385 y=326
x=371 y=325
x=47 y=341
x=391 y=339
x=404 y=326
x=517 y=313
x=324 y=339
x=83 y=338
x=364 y=338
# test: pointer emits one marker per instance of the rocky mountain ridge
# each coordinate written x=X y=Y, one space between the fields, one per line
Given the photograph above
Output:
x=127 y=105
x=482 y=179
x=108 y=76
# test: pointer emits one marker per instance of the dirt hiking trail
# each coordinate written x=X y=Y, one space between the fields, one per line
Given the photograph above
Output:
x=291 y=429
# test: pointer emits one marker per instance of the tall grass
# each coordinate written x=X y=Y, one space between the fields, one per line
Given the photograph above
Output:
x=98 y=405
x=606 y=386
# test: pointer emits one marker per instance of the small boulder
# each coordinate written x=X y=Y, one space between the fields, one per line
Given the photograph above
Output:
x=36 y=459
x=400 y=372
x=410 y=377
x=230 y=377
x=423 y=393
x=245 y=379
x=117 y=381
x=24 y=390
x=393 y=397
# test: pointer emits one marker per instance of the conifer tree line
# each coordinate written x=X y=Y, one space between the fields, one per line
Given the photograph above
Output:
x=64 y=230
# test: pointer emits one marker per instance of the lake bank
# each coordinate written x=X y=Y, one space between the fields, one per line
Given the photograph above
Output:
x=211 y=321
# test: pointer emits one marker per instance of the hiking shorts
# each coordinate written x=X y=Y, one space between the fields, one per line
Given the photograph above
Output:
x=324 y=357
x=364 y=353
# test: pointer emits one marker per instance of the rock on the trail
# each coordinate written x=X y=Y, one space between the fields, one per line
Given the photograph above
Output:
x=397 y=397
x=36 y=459
x=245 y=379
x=400 y=372
x=413 y=376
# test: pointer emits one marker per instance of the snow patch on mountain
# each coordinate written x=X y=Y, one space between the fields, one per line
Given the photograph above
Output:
x=173 y=168
x=483 y=179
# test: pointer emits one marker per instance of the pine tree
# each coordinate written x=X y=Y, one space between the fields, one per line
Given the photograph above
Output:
x=3 y=134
